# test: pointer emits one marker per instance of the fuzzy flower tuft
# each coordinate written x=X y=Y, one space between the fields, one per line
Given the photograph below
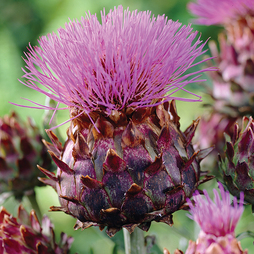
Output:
x=220 y=12
x=216 y=217
x=217 y=220
x=130 y=59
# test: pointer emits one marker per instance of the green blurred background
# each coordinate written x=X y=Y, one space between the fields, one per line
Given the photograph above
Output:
x=24 y=21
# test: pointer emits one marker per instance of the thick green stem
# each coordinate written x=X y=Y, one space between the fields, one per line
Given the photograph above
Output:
x=34 y=204
x=134 y=243
x=127 y=241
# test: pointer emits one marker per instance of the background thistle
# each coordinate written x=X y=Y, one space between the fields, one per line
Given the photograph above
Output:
x=236 y=165
x=217 y=220
x=24 y=234
x=218 y=236
x=232 y=84
x=21 y=150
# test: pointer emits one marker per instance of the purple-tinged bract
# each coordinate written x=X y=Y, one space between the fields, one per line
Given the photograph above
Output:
x=236 y=164
x=21 y=150
x=131 y=59
x=25 y=234
x=217 y=220
x=211 y=132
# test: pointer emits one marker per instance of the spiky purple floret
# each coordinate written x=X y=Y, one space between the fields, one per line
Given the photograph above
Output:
x=131 y=59
x=216 y=217
x=218 y=12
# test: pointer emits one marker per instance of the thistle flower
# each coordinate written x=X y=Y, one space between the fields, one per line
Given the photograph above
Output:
x=92 y=66
x=233 y=91
x=24 y=234
x=220 y=12
x=236 y=164
x=217 y=220
x=237 y=16
x=21 y=149
x=125 y=162
x=236 y=59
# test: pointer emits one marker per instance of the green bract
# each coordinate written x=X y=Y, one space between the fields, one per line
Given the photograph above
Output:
x=237 y=167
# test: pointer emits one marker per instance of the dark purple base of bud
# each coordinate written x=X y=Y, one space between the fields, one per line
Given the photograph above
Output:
x=125 y=170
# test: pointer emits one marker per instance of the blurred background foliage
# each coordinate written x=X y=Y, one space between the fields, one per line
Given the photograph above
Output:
x=23 y=22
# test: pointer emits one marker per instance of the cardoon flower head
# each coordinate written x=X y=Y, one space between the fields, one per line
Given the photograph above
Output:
x=25 y=234
x=237 y=16
x=125 y=162
x=131 y=60
x=220 y=12
x=217 y=220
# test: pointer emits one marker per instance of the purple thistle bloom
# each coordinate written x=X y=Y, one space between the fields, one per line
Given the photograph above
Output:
x=218 y=220
x=132 y=59
x=220 y=12
x=126 y=162
x=216 y=217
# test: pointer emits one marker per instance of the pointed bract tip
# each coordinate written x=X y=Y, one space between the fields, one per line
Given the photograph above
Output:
x=134 y=189
x=113 y=163
x=60 y=164
x=90 y=182
x=49 y=174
